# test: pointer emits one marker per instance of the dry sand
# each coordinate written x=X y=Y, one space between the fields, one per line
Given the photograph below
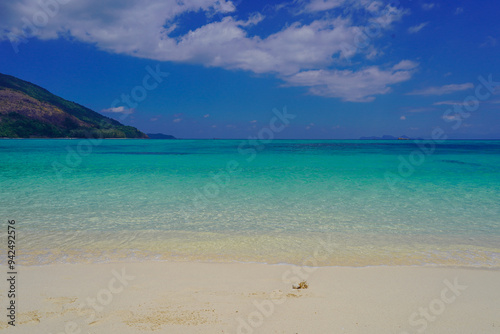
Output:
x=187 y=297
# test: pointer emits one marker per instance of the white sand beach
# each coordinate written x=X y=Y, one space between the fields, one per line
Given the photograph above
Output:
x=189 y=297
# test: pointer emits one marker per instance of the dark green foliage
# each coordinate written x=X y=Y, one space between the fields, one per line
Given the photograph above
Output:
x=70 y=124
x=15 y=125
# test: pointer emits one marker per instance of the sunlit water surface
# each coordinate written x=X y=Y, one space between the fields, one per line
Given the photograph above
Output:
x=352 y=203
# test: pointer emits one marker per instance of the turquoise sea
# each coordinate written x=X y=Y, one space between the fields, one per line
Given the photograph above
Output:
x=328 y=202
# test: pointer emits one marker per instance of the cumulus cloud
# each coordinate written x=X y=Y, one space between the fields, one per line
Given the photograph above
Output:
x=385 y=16
x=294 y=48
x=322 y=5
x=405 y=65
x=417 y=28
x=442 y=90
x=124 y=26
x=353 y=86
x=299 y=53
x=119 y=110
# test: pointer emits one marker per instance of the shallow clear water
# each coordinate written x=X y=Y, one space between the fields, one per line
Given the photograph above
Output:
x=322 y=202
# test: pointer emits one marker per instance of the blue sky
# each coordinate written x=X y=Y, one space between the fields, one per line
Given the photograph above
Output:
x=344 y=68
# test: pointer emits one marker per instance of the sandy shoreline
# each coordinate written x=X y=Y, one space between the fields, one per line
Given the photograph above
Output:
x=188 y=297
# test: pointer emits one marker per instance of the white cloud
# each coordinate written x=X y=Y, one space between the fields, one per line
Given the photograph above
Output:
x=451 y=117
x=417 y=28
x=224 y=6
x=442 y=90
x=322 y=5
x=385 y=16
x=286 y=52
x=206 y=115
x=459 y=10
x=405 y=65
x=352 y=86
x=403 y=118
x=119 y=26
x=462 y=103
x=374 y=8
x=449 y=103
x=423 y=109
x=177 y=120
x=299 y=50
x=119 y=110
x=428 y=6
x=490 y=42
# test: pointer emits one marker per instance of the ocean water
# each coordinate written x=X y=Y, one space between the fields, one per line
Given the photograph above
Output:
x=321 y=203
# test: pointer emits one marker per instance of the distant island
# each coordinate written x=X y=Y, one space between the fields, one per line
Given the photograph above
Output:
x=160 y=136
x=30 y=111
x=386 y=137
